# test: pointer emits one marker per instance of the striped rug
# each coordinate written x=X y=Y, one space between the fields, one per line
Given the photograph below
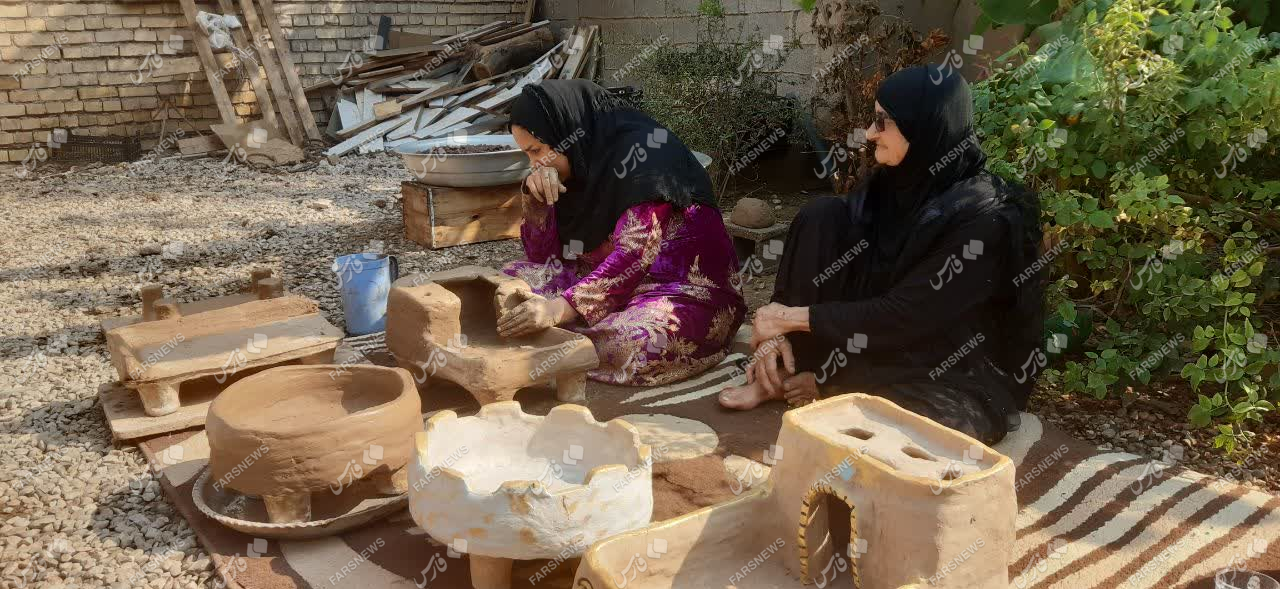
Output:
x=1087 y=518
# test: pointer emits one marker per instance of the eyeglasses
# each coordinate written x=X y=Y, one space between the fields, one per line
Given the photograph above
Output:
x=879 y=120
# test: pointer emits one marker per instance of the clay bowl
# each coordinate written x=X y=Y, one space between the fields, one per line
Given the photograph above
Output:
x=510 y=485
x=286 y=432
x=360 y=504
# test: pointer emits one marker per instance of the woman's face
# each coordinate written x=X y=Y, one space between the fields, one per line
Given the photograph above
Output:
x=891 y=146
x=540 y=154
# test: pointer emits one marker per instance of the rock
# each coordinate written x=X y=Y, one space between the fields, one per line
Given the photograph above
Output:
x=151 y=249
x=380 y=203
x=320 y=205
x=752 y=213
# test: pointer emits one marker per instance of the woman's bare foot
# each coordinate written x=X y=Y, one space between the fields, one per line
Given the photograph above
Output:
x=746 y=397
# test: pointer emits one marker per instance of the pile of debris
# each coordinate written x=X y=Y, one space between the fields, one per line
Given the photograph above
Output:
x=462 y=84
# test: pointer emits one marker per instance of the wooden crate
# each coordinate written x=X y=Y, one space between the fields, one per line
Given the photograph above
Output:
x=439 y=216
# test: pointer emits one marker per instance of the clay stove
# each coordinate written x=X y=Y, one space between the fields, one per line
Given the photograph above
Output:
x=444 y=325
x=506 y=485
x=288 y=432
x=909 y=498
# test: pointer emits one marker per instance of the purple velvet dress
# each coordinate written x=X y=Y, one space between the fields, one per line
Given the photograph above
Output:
x=655 y=298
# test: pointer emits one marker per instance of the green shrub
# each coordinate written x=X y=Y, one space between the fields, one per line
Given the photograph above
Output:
x=1150 y=128
x=719 y=96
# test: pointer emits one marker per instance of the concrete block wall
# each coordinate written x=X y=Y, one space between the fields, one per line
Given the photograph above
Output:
x=629 y=26
x=111 y=67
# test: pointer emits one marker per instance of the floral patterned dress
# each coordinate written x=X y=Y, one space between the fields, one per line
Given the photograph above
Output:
x=655 y=298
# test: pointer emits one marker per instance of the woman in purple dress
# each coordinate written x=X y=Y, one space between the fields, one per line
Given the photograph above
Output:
x=624 y=241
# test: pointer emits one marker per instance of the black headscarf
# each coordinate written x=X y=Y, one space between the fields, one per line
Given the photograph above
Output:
x=942 y=183
x=598 y=132
x=935 y=114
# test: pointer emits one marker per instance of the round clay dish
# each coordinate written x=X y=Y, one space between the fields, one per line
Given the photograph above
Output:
x=332 y=514
x=298 y=429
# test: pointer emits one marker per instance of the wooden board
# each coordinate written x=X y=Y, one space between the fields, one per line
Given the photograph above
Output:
x=294 y=87
x=439 y=217
x=275 y=76
x=185 y=309
x=260 y=92
x=200 y=144
x=128 y=421
x=211 y=69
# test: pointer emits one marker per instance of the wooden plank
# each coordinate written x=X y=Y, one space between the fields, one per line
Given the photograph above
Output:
x=407 y=129
x=366 y=136
x=458 y=115
x=411 y=51
x=260 y=92
x=291 y=75
x=347 y=113
x=444 y=92
x=381 y=72
x=529 y=10
x=129 y=421
x=386 y=109
x=398 y=39
x=199 y=144
x=577 y=50
x=211 y=69
x=503 y=36
x=476 y=32
x=278 y=89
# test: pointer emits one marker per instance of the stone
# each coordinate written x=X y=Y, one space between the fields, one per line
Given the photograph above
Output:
x=504 y=485
x=444 y=325
x=286 y=432
x=898 y=476
x=752 y=213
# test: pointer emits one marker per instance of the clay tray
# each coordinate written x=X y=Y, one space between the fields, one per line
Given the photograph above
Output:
x=358 y=505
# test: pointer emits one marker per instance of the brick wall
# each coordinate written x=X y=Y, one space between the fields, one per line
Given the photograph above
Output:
x=110 y=68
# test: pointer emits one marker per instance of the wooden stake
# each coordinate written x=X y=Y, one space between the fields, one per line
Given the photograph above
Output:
x=211 y=69
x=290 y=74
x=278 y=88
x=260 y=92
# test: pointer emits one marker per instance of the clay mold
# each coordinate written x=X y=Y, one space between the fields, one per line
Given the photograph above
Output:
x=288 y=432
x=506 y=485
x=444 y=325
x=862 y=494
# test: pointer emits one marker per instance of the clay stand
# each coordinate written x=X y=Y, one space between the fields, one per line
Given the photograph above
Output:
x=156 y=357
x=427 y=314
x=308 y=431
x=505 y=485
x=749 y=242
x=915 y=494
x=439 y=216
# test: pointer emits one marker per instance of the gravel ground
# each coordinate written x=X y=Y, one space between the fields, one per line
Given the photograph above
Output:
x=77 y=510
x=80 y=512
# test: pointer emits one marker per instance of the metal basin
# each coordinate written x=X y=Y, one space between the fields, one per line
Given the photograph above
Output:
x=466 y=170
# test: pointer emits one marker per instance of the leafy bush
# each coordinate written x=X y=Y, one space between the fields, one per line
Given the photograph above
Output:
x=719 y=96
x=1150 y=129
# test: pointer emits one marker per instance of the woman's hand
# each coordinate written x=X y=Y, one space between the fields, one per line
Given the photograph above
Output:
x=534 y=315
x=544 y=184
x=774 y=320
x=764 y=365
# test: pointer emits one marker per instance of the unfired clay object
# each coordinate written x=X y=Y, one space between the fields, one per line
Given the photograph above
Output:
x=155 y=357
x=752 y=213
x=506 y=485
x=286 y=432
x=426 y=315
x=928 y=506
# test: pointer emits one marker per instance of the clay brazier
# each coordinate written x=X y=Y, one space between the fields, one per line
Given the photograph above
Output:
x=506 y=485
x=925 y=506
x=444 y=325
x=287 y=432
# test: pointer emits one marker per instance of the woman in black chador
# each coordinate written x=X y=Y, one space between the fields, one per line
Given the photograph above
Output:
x=912 y=287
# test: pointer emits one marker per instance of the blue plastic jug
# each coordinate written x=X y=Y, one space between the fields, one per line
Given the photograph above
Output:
x=365 y=280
